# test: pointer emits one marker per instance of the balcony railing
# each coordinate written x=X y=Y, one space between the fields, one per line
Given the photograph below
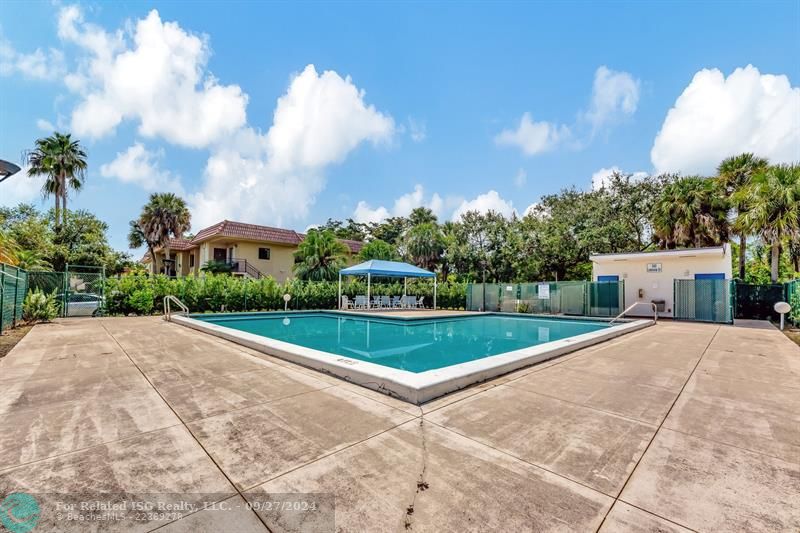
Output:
x=242 y=266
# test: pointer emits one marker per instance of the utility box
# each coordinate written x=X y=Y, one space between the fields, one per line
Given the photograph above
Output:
x=661 y=305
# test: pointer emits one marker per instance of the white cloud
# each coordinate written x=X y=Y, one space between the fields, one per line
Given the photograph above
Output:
x=716 y=117
x=45 y=125
x=275 y=178
x=417 y=130
x=402 y=206
x=534 y=137
x=614 y=94
x=490 y=201
x=602 y=177
x=159 y=80
x=19 y=188
x=366 y=214
x=521 y=178
x=39 y=64
x=531 y=208
x=320 y=120
x=140 y=166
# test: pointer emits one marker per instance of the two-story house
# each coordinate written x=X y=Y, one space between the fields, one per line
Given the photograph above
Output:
x=250 y=250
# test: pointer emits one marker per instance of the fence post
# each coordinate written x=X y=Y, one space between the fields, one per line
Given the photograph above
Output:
x=16 y=297
x=2 y=293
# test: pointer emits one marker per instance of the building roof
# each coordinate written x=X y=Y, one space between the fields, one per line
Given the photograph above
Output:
x=661 y=254
x=228 y=228
x=378 y=267
x=253 y=232
x=355 y=246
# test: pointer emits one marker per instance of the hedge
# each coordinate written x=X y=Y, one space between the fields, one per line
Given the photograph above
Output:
x=141 y=294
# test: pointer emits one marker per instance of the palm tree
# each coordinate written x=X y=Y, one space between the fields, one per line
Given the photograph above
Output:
x=691 y=212
x=164 y=217
x=9 y=249
x=63 y=161
x=772 y=201
x=320 y=256
x=734 y=174
x=31 y=261
x=137 y=239
x=424 y=244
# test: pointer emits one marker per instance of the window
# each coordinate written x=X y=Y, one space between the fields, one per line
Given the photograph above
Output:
x=191 y=260
x=263 y=253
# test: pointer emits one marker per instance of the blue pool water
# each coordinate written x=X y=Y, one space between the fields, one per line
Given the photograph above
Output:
x=414 y=345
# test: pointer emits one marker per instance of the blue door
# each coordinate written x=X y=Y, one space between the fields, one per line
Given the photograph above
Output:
x=607 y=278
x=710 y=276
x=710 y=296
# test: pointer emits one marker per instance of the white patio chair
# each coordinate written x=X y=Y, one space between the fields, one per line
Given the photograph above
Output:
x=386 y=302
x=361 y=302
x=347 y=303
x=420 y=302
x=376 y=302
x=411 y=302
x=396 y=304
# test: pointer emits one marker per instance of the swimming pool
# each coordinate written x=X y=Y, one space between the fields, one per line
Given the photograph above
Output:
x=414 y=345
x=415 y=359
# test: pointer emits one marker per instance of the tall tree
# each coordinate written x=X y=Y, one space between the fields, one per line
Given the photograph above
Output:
x=421 y=215
x=691 y=212
x=62 y=161
x=164 y=217
x=734 y=174
x=320 y=256
x=424 y=244
x=378 y=249
x=772 y=208
x=8 y=248
x=138 y=238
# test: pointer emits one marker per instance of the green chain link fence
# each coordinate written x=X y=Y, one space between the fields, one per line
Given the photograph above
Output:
x=13 y=288
x=580 y=298
x=793 y=298
x=704 y=300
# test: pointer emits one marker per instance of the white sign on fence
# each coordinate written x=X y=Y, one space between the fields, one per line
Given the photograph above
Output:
x=543 y=291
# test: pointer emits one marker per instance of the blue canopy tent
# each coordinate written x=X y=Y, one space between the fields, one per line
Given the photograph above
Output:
x=391 y=269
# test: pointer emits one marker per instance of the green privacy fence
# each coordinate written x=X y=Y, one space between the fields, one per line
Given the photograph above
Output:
x=580 y=298
x=13 y=288
x=704 y=300
x=793 y=298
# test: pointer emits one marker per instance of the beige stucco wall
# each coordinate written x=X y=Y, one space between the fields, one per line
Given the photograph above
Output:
x=659 y=286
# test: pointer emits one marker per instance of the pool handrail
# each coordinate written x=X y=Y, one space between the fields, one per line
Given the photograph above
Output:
x=655 y=312
x=168 y=309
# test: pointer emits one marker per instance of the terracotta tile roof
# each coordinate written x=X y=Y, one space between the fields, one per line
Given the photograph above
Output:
x=255 y=232
x=228 y=228
x=355 y=246
x=178 y=245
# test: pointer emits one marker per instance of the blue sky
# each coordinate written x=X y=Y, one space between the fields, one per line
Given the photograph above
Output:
x=451 y=105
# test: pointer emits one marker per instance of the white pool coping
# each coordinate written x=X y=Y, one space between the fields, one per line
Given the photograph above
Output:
x=413 y=387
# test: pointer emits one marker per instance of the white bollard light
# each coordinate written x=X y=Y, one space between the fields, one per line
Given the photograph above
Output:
x=286 y=298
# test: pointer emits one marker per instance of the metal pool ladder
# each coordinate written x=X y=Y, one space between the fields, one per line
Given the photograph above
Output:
x=655 y=312
x=168 y=299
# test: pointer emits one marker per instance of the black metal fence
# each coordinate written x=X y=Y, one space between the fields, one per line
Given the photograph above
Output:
x=758 y=301
x=580 y=298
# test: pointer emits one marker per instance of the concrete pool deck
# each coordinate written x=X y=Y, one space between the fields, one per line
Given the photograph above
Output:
x=675 y=427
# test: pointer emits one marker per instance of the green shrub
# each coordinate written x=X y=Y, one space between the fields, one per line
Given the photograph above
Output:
x=40 y=306
x=141 y=301
x=141 y=294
